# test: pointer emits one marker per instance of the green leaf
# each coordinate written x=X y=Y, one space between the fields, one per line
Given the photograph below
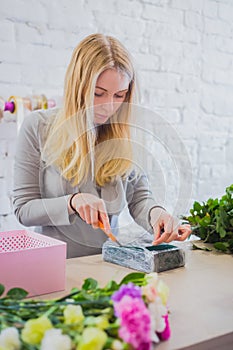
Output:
x=230 y=213
x=205 y=221
x=191 y=220
x=201 y=248
x=111 y=286
x=222 y=232
x=223 y=215
x=132 y=277
x=2 y=289
x=16 y=293
x=230 y=242
x=202 y=232
x=197 y=207
x=90 y=283
x=212 y=203
x=229 y=191
x=197 y=219
x=223 y=246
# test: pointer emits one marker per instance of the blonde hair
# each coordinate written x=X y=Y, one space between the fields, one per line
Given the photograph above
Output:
x=73 y=143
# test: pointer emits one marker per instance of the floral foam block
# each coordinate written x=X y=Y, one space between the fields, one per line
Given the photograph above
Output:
x=141 y=255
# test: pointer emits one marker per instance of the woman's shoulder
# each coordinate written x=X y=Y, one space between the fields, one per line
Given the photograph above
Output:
x=39 y=119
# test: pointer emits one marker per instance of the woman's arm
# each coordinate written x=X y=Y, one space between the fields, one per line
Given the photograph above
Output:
x=151 y=216
x=140 y=201
x=30 y=208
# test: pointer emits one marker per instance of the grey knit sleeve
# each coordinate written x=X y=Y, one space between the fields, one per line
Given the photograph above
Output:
x=140 y=201
x=30 y=206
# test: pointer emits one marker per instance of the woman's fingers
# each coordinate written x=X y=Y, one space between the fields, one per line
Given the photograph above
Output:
x=168 y=224
x=81 y=213
x=94 y=218
x=160 y=219
x=91 y=209
x=99 y=212
x=103 y=216
x=166 y=237
x=184 y=232
x=157 y=233
x=172 y=229
x=87 y=214
x=173 y=237
x=161 y=239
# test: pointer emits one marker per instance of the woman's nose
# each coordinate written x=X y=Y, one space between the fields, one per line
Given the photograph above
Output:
x=108 y=105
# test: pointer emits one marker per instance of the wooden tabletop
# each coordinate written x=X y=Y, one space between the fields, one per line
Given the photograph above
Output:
x=200 y=301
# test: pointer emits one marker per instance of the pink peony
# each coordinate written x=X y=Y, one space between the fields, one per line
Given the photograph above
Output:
x=135 y=322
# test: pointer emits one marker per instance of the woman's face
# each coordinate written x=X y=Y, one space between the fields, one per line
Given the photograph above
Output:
x=110 y=92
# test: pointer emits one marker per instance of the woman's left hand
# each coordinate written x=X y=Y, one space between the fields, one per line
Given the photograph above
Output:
x=161 y=219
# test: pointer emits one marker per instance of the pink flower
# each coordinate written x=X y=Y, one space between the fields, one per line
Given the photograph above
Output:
x=135 y=322
x=127 y=289
x=166 y=333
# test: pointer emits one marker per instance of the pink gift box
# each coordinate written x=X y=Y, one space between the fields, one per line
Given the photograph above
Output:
x=32 y=261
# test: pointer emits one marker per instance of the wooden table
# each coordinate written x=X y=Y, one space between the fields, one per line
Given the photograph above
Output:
x=200 y=301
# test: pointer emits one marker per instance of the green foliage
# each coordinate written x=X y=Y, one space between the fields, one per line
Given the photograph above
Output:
x=134 y=277
x=195 y=246
x=95 y=301
x=16 y=293
x=2 y=289
x=212 y=221
x=90 y=283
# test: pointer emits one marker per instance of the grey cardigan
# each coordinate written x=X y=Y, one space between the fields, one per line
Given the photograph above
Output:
x=41 y=194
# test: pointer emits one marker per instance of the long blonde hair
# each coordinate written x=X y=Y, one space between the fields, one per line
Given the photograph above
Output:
x=73 y=143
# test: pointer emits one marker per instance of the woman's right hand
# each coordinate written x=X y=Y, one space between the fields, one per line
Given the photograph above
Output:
x=91 y=209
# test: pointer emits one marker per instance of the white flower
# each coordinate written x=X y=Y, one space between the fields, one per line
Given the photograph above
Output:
x=55 y=340
x=117 y=345
x=152 y=278
x=157 y=311
x=9 y=339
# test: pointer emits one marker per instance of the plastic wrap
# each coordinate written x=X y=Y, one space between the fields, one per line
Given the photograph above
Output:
x=141 y=255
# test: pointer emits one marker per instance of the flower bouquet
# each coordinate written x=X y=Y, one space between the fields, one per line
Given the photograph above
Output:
x=130 y=315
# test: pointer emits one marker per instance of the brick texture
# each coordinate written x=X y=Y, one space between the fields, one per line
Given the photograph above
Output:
x=183 y=51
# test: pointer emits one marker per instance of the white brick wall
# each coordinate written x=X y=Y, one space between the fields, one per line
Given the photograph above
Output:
x=183 y=50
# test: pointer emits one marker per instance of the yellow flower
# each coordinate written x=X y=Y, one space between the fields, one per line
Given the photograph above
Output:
x=73 y=314
x=92 y=339
x=163 y=291
x=102 y=322
x=34 y=330
x=99 y=321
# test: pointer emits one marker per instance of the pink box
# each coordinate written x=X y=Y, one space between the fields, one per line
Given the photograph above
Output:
x=32 y=261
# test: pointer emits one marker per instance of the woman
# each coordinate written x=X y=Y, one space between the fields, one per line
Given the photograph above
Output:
x=73 y=166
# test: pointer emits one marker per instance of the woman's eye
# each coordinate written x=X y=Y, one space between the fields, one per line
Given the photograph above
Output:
x=116 y=95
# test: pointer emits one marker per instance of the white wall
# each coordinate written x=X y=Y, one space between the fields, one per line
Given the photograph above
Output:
x=184 y=54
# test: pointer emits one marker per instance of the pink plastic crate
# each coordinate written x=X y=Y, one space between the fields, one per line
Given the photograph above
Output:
x=32 y=261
